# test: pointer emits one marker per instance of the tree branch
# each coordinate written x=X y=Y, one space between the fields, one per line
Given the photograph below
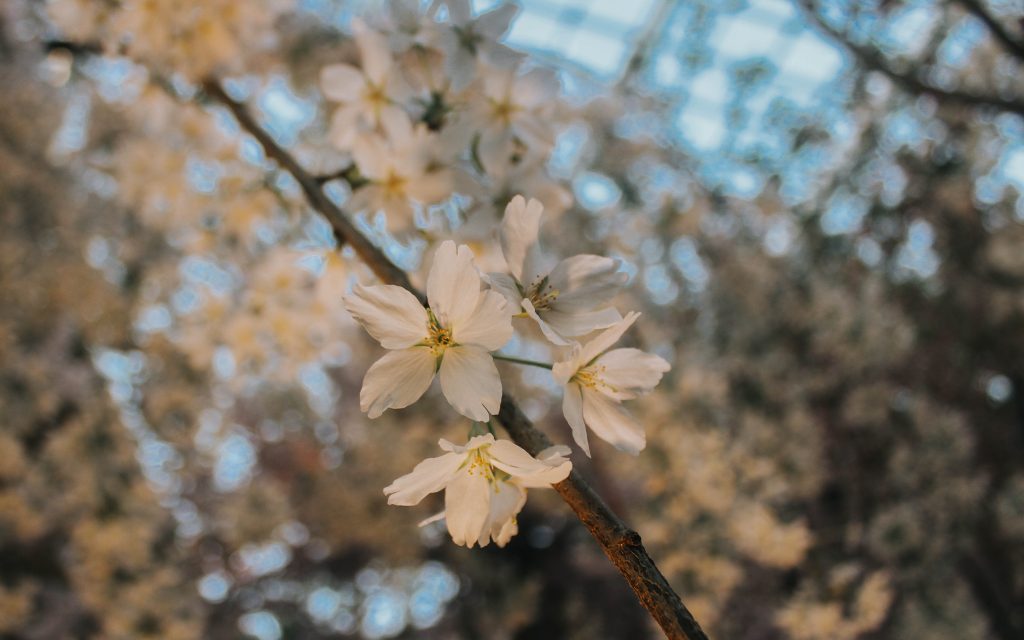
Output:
x=1012 y=45
x=874 y=60
x=621 y=544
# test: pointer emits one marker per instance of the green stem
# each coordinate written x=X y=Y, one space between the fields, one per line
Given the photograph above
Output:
x=532 y=363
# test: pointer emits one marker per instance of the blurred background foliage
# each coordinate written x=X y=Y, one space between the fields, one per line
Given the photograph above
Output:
x=819 y=205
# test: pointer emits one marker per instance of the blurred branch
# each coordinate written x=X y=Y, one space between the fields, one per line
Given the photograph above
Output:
x=873 y=59
x=1012 y=45
x=621 y=544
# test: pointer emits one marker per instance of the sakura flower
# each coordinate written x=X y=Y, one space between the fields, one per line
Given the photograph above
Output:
x=565 y=300
x=452 y=337
x=402 y=169
x=466 y=39
x=484 y=484
x=365 y=94
x=514 y=113
x=595 y=381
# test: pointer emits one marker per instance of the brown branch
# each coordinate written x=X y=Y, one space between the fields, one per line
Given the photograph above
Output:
x=621 y=544
x=871 y=58
x=1012 y=45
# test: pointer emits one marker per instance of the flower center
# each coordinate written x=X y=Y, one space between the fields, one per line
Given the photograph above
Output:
x=438 y=337
x=541 y=294
x=504 y=110
x=393 y=185
x=591 y=377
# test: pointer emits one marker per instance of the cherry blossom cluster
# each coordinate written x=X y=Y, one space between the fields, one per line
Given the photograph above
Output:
x=438 y=107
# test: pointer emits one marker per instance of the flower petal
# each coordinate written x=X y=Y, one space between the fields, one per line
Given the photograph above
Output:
x=524 y=468
x=493 y=24
x=397 y=380
x=629 y=373
x=581 y=322
x=572 y=409
x=342 y=82
x=466 y=506
x=427 y=477
x=506 y=501
x=506 y=286
x=470 y=381
x=453 y=285
x=604 y=340
x=519 y=229
x=489 y=326
x=374 y=52
x=585 y=282
x=548 y=331
x=392 y=315
x=610 y=422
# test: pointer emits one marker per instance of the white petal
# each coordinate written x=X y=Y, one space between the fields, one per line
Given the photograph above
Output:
x=525 y=469
x=344 y=127
x=604 y=340
x=579 y=323
x=374 y=52
x=548 y=331
x=564 y=369
x=610 y=422
x=470 y=382
x=342 y=82
x=453 y=285
x=630 y=372
x=585 y=282
x=392 y=315
x=397 y=380
x=490 y=324
x=466 y=506
x=493 y=24
x=506 y=286
x=427 y=477
x=507 y=501
x=572 y=409
x=519 y=229
x=474 y=443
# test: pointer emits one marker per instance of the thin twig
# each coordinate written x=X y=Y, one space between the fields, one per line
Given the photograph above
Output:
x=621 y=544
x=874 y=60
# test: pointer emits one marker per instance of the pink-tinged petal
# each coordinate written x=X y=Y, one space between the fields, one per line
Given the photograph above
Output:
x=397 y=380
x=453 y=285
x=572 y=409
x=628 y=373
x=610 y=422
x=604 y=340
x=392 y=315
x=372 y=156
x=470 y=382
x=431 y=188
x=427 y=477
x=344 y=127
x=342 y=82
x=585 y=282
x=397 y=127
x=519 y=230
x=467 y=506
x=526 y=470
x=489 y=326
x=580 y=323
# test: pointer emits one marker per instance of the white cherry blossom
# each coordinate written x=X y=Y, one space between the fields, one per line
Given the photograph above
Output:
x=565 y=300
x=366 y=94
x=403 y=169
x=595 y=381
x=484 y=483
x=466 y=39
x=453 y=337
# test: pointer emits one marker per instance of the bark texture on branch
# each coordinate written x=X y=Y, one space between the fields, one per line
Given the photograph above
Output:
x=621 y=544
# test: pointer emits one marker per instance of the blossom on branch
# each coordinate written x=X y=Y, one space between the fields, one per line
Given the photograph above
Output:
x=484 y=484
x=566 y=300
x=453 y=337
x=596 y=380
